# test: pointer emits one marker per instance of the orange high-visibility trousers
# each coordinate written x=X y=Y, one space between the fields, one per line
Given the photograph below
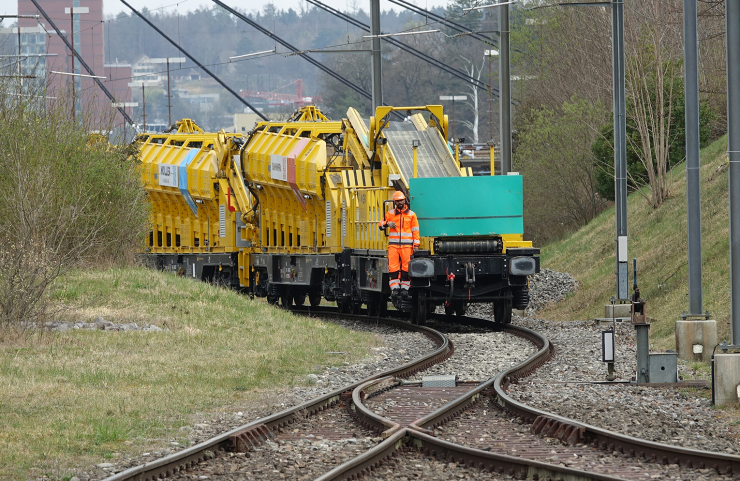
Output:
x=398 y=261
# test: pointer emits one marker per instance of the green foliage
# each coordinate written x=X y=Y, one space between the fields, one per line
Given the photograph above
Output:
x=68 y=200
x=603 y=147
x=556 y=161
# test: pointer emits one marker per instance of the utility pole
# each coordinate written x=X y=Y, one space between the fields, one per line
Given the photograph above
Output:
x=489 y=54
x=72 y=11
x=377 y=99
x=505 y=89
x=169 y=98
x=453 y=98
x=143 y=103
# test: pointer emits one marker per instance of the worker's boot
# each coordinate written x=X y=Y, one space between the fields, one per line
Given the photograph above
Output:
x=395 y=293
x=404 y=294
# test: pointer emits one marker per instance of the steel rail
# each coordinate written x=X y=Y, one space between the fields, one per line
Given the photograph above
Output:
x=260 y=430
x=455 y=407
x=411 y=439
x=572 y=431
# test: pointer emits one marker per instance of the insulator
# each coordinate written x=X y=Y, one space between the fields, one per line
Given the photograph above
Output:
x=491 y=246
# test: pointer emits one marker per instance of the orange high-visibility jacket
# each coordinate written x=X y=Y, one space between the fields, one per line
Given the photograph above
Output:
x=406 y=231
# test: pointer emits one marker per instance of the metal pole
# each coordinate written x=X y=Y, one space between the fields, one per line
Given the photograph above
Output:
x=82 y=62
x=72 y=33
x=505 y=90
x=490 y=93
x=620 y=149
x=643 y=351
x=169 y=98
x=732 y=24
x=20 y=73
x=454 y=139
x=693 y=188
x=143 y=103
x=377 y=71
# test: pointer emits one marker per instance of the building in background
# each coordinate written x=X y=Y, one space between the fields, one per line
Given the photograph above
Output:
x=44 y=54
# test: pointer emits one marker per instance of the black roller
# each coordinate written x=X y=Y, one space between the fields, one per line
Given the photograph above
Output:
x=467 y=246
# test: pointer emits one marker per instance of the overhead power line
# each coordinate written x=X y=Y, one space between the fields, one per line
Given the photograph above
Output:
x=282 y=42
x=416 y=53
x=241 y=99
x=445 y=21
x=82 y=62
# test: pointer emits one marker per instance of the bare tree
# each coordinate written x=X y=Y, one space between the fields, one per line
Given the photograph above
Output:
x=652 y=71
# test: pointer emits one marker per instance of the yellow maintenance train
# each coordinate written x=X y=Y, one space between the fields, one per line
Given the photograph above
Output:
x=290 y=211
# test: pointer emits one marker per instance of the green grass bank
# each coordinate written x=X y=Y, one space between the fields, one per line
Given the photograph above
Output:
x=658 y=239
x=75 y=398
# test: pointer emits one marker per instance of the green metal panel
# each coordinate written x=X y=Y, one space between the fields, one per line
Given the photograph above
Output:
x=464 y=206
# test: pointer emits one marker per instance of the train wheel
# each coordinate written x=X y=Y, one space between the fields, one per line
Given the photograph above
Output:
x=373 y=305
x=272 y=300
x=419 y=313
x=460 y=308
x=355 y=307
x=344 y=305
x=299 y=298
x=286 y=298
x=383 y=306
x=314 y=298
x=449 y=309
x=502 y=313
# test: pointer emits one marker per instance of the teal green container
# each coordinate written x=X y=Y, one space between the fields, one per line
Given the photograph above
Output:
x=468 y=206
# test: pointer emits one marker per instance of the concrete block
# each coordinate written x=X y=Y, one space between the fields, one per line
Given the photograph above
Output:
x=617 y=310
x=662 y=367
x=695 y=340
x=726 y=378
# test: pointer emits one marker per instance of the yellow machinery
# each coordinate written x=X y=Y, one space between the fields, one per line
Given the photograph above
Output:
x=290 y=210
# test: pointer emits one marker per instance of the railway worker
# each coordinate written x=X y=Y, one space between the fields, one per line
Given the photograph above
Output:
x=403 y=240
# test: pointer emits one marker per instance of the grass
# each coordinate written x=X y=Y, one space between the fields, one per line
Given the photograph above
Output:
x=70 y=400
x=658 y=239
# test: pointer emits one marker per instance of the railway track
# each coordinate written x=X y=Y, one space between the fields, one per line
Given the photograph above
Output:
x=383 y=423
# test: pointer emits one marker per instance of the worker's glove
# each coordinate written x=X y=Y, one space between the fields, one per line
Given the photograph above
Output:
x=391 y=224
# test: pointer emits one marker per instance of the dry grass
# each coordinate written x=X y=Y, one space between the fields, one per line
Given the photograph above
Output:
x=74 y=399
x=658 y=239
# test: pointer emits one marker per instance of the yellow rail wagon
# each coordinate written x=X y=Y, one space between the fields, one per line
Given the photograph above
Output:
x=290 y=211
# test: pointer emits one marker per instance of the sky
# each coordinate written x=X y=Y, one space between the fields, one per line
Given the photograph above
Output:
x=113 y=7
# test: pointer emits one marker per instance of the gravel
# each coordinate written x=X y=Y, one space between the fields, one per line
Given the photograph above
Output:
x=489 y=428
x=479 y=353
x=666 y=415
x=413 y=465
x=548 y=287
x=98 y=324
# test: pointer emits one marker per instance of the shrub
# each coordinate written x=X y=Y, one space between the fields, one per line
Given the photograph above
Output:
x=67 y=202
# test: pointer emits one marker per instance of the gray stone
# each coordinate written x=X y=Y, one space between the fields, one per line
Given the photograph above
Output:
x=105 y=465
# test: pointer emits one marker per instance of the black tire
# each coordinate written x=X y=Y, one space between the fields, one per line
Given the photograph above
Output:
x=502 y=313
x=314 y=299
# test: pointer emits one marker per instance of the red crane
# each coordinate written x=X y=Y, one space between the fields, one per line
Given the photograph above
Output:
x=277 y=99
